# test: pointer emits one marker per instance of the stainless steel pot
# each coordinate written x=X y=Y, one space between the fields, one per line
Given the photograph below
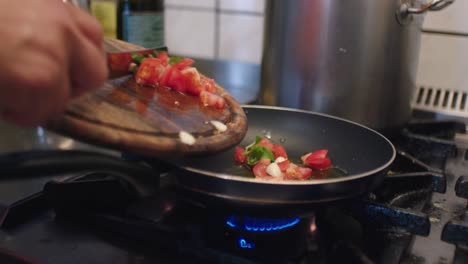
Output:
x=356 y=59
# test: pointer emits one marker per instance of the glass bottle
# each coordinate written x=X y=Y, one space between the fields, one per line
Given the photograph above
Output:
x=106 y=13
x=142 y=22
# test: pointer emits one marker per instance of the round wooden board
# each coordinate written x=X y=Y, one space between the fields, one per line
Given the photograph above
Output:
x=142 y=120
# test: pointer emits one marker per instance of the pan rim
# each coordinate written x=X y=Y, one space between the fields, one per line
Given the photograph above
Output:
x=294 y=182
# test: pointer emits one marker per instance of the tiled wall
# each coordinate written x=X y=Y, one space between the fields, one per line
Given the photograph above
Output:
x=443 y=62
x=216 y=29
x=233 y=30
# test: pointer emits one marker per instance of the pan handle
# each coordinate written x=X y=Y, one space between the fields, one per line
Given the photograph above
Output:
x=42 y=163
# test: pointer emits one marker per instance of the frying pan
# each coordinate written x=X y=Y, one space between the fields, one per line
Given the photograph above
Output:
x=364 y=154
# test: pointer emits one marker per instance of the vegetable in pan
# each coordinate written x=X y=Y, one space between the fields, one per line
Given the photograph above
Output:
x=177 y=73
x=270 y=161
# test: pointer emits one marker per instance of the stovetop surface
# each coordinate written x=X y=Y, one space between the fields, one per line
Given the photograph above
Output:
x=414 y=217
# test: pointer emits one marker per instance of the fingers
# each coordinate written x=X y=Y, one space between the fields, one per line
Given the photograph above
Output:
x=33 y=92
x=88 y=64
x=87 y=24
x=48 y=69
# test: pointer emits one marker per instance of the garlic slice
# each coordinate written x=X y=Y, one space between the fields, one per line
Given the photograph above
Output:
x=186 y=138
x=279 y=159
x=218 y=125
x=274 y=170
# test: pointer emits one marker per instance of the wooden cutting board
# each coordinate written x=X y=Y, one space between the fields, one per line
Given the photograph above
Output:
x=124 y=116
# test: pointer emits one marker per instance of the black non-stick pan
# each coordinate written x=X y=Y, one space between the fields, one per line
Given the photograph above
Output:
x=363 y=154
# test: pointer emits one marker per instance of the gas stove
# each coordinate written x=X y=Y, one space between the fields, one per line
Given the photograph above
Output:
x=418 y=215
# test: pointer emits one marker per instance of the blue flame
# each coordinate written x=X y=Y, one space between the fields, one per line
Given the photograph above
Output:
x=244 y=244
x=260 y=224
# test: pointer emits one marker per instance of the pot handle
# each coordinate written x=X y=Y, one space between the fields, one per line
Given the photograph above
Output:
x=405 y=11
x=433 y=5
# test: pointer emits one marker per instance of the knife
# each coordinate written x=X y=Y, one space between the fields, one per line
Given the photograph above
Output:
x=119 y=61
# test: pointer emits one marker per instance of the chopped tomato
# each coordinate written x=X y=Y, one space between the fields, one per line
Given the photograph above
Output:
x=239 y=156
x=180 y=76
x=186 y=62
x=177 y=81
x=149 y=72
x=283 y=165
x=279 y=151
x=322 y=153
x=164 y=58
x=119 y=61
x=318 y=163
x=292 y=172
x=317 y=159
x=165 y=76
x=305 y=172
x=266 y=143
x=192 y=81
x=211 y=99
x=259 y=169
x=208 y=84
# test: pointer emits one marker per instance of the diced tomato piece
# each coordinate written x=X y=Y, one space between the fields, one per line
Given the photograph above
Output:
x=164 y=58
x=239 y=156
x=192 y=81
x=265 y=142
x=119 y=61
x=304 y=157
x=186 y=62
x=208 y=84
x=292 y=172
x=322 y=153
x=279 y=151
x=317 y=159
x=283 y=165
x=318 y=163
x=259 y=170
x=177 y=81
x=305 y=173
x=165 y=76
x=149 y=72
x=319 y=154
x=210 y=99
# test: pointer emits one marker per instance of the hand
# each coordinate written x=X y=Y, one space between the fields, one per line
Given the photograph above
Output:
x=50 y=52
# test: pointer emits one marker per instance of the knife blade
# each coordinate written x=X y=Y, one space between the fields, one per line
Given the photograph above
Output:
x=119 y=61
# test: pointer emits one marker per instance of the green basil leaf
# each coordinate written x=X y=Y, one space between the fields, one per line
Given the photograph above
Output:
x=257 y=153
x=175 y=59
x=137 y=58
x=249 y=147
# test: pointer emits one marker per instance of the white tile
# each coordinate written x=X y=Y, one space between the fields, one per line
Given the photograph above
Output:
x=241 y=38
x=243 y=5
x=190 y=33
x=452 y=18
x=443 y=62
x=191 y=3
